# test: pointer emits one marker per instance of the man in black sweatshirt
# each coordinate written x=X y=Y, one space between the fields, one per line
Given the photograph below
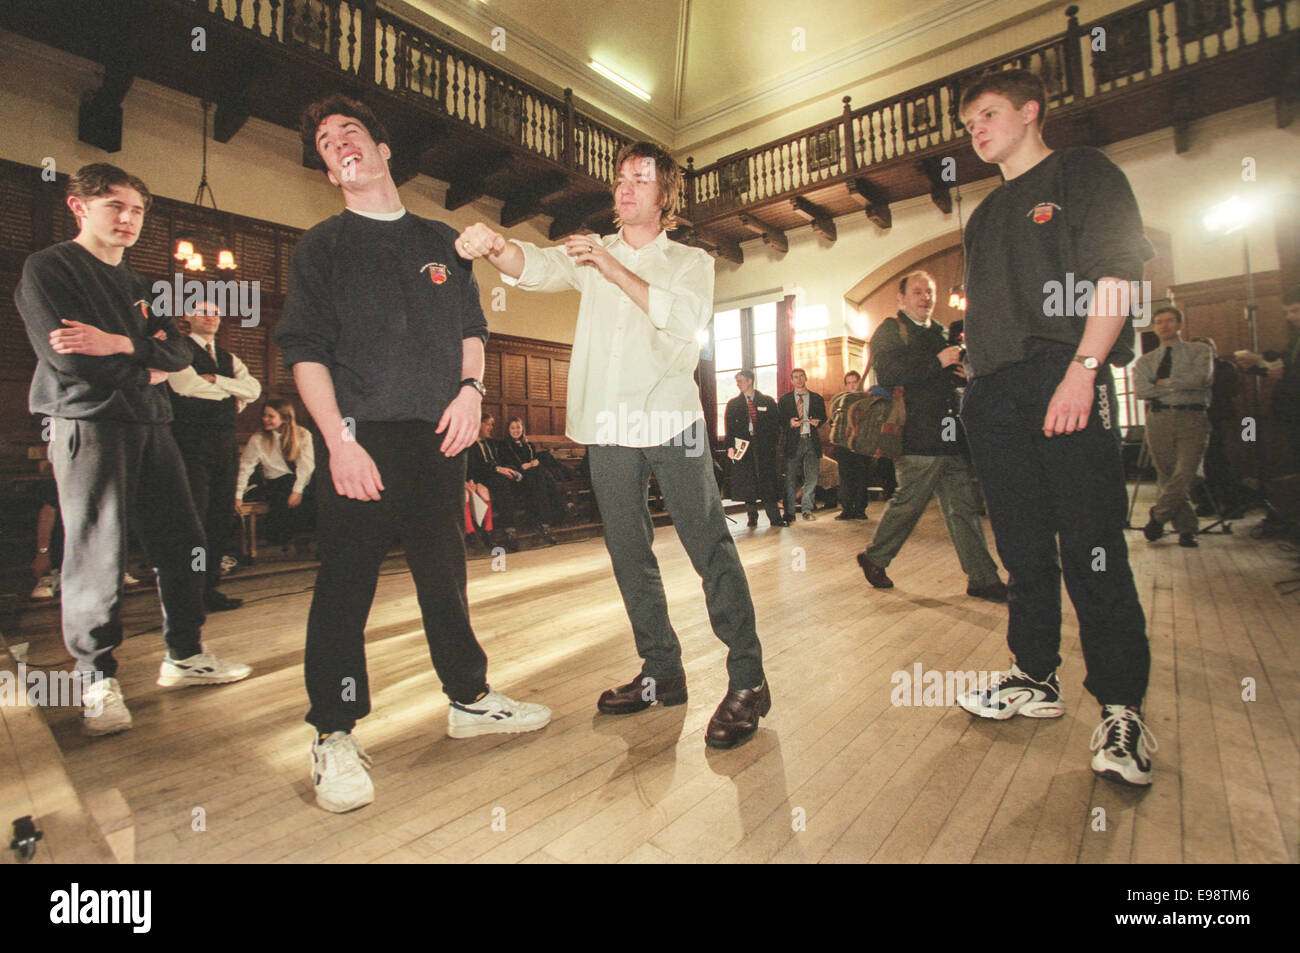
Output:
x=101 y=354
x=384 y=330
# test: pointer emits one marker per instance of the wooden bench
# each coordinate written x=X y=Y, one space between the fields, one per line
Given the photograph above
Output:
x=248 y=514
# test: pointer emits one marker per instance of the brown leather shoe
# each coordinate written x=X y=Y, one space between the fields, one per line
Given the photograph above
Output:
x=993 y=592
x=736 y=719
x=875 y=575
x=642 y=692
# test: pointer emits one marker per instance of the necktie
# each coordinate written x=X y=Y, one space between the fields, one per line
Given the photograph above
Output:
x=753 y=414
x=212 y=351
x=1166 y=364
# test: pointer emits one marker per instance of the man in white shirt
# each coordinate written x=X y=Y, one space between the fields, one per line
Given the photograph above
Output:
x=633 y=400
x=1175 y=380
x=206 y=398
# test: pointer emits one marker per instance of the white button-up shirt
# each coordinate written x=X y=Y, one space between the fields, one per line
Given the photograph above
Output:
x=630 y=377
x=244 y=387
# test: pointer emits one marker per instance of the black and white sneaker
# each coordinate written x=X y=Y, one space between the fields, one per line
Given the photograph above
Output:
x=201 y=669
x=1124 y=745
x=494 y=713
x=1015 y=693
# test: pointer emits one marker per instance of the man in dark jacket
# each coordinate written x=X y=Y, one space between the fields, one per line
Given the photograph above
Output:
x=802 y=412
x=207 y=397
x=910 y=351
x=754 y=417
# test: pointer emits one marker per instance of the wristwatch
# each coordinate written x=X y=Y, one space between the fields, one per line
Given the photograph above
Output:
x=1091 y=363
x=475 y=383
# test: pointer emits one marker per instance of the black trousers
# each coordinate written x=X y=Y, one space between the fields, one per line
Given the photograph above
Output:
x=853 y=480
x=211 y=458
x=282 y=521
x=112 y=474
x=541 y=496
x=1066 y=494
x=422 y=506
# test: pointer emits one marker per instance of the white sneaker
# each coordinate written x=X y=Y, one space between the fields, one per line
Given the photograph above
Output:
x=47 y=586
x=201 y=669
x=129 y=580
x=104 y=711
x=228 y=564
x=1015 y=693
x=494 y=713
x=339 y=770
x=1124 y=746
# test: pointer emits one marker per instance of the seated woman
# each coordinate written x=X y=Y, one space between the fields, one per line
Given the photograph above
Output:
x=537 y=488
x=279 y=463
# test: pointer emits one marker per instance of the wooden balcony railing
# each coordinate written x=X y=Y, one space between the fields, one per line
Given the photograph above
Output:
x=1131 y=46
x=360 y=39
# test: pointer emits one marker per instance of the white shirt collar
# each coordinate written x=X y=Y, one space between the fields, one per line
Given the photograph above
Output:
x=380 y=216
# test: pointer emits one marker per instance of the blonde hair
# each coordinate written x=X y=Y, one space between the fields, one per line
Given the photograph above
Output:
x=291 y=435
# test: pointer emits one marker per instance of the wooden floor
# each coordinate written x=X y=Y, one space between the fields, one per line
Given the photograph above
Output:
x=836 y=773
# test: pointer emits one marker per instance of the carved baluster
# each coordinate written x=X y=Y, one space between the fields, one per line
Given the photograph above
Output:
x=479 y=118
x=383 y=56
x=1161 y=37
x=352 y=41
x=456 y=107
x=257 y=16
x=324 y=28
x=1240 y=11
x=1259 y=21
x=788 y=166
x=239 y=12
x=535 y=142
x=286 y=22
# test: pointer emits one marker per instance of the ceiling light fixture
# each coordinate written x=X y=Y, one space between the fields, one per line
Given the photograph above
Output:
x=185 y=251
x=613 y=77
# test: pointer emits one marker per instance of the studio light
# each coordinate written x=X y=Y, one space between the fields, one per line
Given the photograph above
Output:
x=1230 y=215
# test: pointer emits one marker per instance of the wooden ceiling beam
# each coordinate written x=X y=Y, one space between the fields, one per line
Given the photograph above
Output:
x=772 y=236
x=821 y=220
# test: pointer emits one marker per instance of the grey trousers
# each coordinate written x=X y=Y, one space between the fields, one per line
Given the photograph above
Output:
x=1177 y=439
x=804 y=467
x=620 y=477
x=919 y=478
x=111 y=475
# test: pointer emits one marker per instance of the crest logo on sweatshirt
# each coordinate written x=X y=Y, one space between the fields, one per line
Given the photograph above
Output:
x=143 y=305
x=1042 y=212
x=437 y=272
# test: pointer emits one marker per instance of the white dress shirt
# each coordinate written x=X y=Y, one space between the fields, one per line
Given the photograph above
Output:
x=264 y=448
x=630 y=377
x=244 y=387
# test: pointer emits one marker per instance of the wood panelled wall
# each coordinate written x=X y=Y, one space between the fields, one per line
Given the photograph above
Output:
x=528 y=379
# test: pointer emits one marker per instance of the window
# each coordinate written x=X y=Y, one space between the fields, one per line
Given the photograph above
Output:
x=1132 y=412
x=744 y=338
